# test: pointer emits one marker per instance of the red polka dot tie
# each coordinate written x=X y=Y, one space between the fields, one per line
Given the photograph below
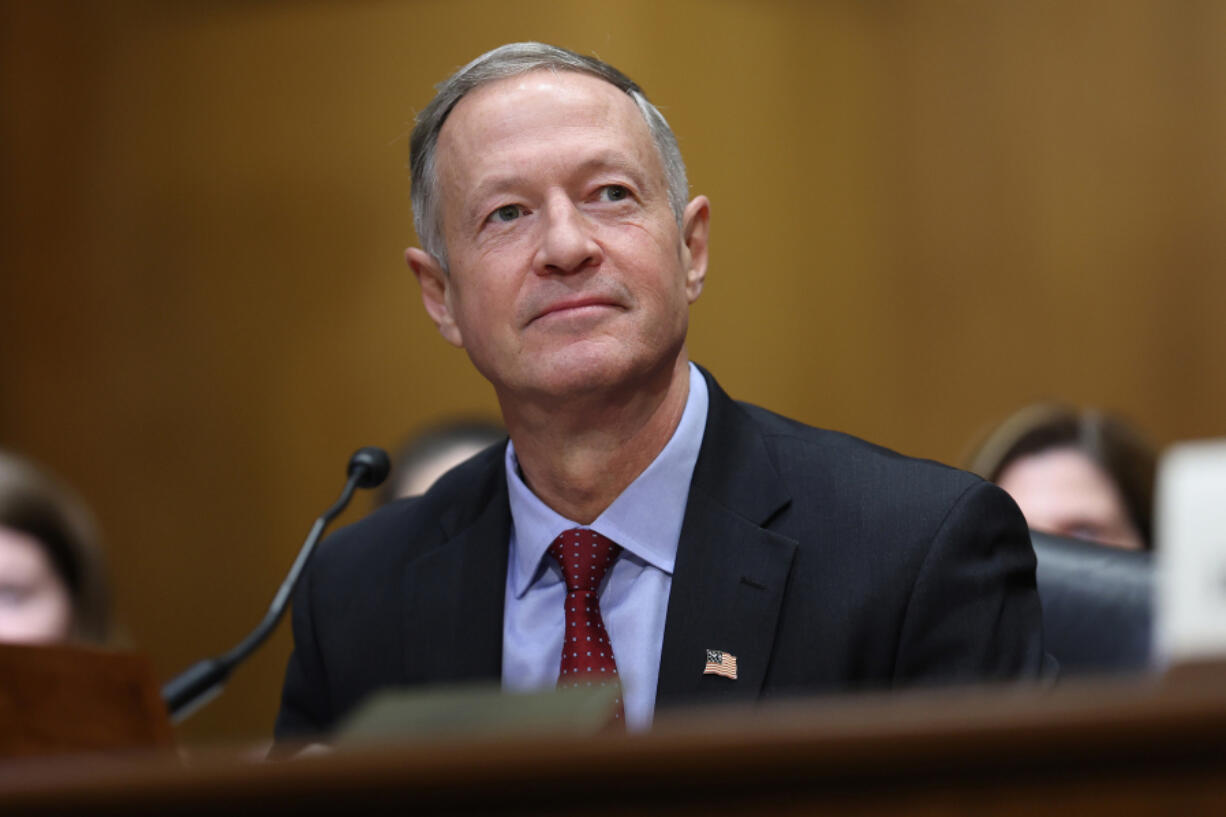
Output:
x=587 y=653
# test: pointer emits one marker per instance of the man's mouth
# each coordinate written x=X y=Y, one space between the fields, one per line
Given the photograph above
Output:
x=576 y=306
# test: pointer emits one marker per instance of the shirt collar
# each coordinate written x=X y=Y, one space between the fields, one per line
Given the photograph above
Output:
x=646 y=517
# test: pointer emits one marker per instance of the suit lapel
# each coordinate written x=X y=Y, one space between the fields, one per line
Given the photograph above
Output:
x=728 y=583
x=731 y=571
x=454 y=597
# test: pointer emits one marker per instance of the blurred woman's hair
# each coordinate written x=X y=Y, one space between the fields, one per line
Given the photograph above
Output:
x=1107 y=441
x=34 y=503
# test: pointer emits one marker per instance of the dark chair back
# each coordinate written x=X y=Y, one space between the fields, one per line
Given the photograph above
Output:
x=1097 y=605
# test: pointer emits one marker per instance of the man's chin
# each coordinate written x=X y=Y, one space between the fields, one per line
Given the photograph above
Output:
x=575 y=375
x=570 y=382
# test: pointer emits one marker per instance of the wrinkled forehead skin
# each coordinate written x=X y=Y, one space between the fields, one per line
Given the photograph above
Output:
x=494 y=115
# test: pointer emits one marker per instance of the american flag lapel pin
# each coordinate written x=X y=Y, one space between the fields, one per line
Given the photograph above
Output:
x=720 y=663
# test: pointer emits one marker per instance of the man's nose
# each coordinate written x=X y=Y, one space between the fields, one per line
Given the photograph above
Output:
x=569 y=244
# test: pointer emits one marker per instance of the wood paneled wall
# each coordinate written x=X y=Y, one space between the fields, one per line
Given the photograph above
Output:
x=924 y=215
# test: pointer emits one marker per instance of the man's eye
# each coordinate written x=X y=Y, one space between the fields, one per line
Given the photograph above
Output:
x=507 y=212
x=614 y=192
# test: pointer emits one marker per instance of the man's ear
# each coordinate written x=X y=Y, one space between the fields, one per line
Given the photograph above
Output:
x=695 y=229
x=435 y=293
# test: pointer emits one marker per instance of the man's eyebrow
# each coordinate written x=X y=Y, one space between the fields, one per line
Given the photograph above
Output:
x=492 y=185
x=616 y=162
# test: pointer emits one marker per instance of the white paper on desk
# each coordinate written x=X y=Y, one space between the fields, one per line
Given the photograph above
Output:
x=1190 y=537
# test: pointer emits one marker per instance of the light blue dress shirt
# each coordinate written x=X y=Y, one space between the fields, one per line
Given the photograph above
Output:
x=646 y=521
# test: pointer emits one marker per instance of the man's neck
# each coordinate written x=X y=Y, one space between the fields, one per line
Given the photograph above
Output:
x=579 y=458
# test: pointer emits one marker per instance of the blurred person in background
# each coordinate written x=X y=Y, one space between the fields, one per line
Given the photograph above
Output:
x=52 y=585
x=433 y=451
x=1074 y=472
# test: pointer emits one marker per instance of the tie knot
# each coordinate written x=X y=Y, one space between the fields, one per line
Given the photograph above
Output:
x=584 y=556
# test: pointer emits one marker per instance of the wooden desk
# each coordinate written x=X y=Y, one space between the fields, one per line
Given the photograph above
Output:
x=1135 y=748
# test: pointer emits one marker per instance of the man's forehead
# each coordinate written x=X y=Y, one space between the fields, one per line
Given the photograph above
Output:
x=495 y=105
x=541 y=106
x=562 y=81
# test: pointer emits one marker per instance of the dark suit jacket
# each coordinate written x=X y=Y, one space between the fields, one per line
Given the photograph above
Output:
x=820 y=561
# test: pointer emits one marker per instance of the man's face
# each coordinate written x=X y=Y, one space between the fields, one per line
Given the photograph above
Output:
x=568 y=271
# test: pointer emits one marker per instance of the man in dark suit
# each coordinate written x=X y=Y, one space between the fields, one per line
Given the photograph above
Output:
x=639 y=525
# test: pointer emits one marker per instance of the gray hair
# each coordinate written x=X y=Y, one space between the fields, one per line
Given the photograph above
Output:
x=510 y=61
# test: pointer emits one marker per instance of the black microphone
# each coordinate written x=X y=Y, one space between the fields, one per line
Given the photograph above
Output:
x=201 y=682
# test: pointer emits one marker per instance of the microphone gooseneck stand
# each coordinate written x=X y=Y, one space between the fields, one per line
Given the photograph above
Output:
x=201 y=682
